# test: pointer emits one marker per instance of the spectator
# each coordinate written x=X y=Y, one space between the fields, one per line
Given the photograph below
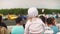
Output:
x=51 y=23
x=18 y=29
x=24 y=18
x=3 y=27
x=48 y=30
x=34 y=24
x=2 y=23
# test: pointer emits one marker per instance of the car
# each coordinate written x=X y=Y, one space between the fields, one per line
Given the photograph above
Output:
x=12 y=17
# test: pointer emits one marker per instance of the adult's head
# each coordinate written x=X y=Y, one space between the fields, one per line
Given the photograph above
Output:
x=32 y=12
x=43 y=19
x=19 y=21
x=51 y=21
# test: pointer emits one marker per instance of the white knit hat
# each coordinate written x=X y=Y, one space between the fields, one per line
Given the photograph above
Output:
x=32 y=12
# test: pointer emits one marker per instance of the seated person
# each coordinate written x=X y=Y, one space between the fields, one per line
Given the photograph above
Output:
x=18 y=29
x=51 y=23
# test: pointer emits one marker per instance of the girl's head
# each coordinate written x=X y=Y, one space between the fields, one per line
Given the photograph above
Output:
x=50 y=21
x=19 y=21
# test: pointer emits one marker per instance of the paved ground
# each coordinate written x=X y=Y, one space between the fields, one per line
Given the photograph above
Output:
x=9 y=22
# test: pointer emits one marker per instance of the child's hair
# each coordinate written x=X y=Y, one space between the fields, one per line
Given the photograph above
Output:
x=18 y=20
x=50 y=21
x=43 y=18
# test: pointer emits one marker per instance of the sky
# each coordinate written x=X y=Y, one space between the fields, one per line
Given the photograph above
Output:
x=49 y=4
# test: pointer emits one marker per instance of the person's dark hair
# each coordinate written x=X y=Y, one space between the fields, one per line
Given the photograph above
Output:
x=18 y=20
x=0 y=18
x=50 y=21
x=43 y=18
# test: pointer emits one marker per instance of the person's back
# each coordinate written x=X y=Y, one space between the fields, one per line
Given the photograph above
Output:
x=18 y=30
x=55 y=29
x=36 y=23
x=3 y=30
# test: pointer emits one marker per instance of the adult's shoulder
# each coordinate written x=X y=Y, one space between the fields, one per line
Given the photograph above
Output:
x=40 y=21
